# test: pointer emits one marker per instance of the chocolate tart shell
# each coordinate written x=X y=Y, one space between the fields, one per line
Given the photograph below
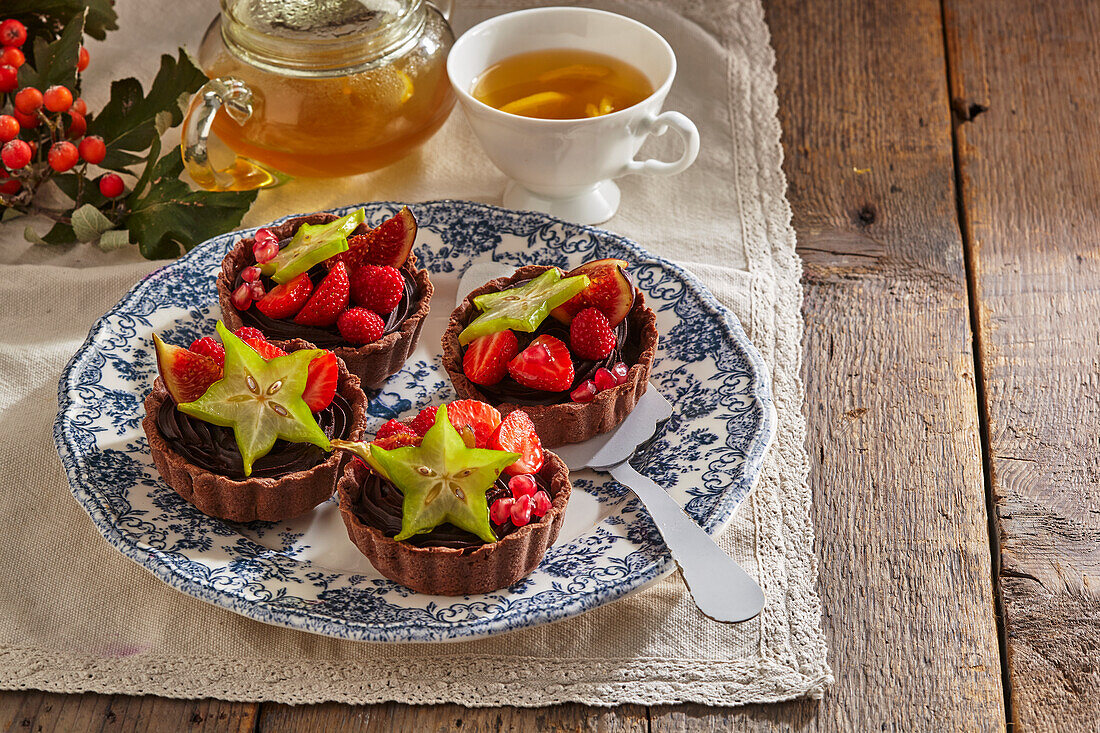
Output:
x=449 y=571
x=373 y=363
x=251 y=499
x=566 y=422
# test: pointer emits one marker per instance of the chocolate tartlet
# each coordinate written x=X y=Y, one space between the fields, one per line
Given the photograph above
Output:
x=289 y=481
x=373 y=363
x=455 y=563
x=558 y=420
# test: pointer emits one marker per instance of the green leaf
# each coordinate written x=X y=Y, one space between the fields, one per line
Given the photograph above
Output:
x=55 y=63
x=129 y=121
x=114 y=239
x=58 y=234
x=170 y=215
x=89 y=222
x=101 y=14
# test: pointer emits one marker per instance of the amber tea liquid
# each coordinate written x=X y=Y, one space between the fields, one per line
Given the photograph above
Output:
x=561 y=84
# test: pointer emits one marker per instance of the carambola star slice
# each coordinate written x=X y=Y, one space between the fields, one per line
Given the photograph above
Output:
x=261 y=400
x=523 y=307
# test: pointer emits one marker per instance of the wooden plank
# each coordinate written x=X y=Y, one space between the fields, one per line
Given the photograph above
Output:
x=336 y=718
x=893 y=426
x=48 y=711
x=1025 y=79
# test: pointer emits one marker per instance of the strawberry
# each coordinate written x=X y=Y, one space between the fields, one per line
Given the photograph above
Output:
x=397 y=440
x=590 y=335
x=483 y=419
x=287 y=299
x=516 y=434
x=393 y=427
x=255 y=338
x=424 y=420
x=328 y=301
x=545 y=364
x=321 y=381
x=486 y=359
x=360 y=326
x=211 y=347
x=377 y=287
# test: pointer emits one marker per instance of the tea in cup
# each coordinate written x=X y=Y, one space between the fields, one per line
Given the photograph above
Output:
x=561 y=100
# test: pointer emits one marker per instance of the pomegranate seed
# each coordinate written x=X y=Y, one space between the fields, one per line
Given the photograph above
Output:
x=523 y=485
x=521 y=511
x=604 y=379
x=250 y=274
x=501 y=511
x=257 y=290
x=541 y=503
x=265 y=251
x=83 y=59
x=28 y=100
x=111 y=185
x=9 y=78
x=619 y=371
x=242 y=297
x=9 y=128
x=263 y=234
x=584 y=392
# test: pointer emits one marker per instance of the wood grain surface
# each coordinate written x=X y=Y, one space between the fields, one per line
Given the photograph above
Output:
x=1025 y=80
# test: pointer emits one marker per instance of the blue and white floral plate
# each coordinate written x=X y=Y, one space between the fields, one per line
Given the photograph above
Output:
x=305 y=573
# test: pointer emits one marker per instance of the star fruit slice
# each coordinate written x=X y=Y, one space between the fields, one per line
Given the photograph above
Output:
x=260 y=399
x=444 y=481
x=312 y=243
x=523 y=307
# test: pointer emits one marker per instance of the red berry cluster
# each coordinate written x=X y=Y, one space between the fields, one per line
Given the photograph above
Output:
x=355 y=304
x=51 y=116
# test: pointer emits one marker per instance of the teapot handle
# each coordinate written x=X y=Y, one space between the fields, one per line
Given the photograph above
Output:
x=445 y=8
x=244 y=174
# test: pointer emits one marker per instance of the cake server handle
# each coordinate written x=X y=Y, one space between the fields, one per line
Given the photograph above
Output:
x=720 y=587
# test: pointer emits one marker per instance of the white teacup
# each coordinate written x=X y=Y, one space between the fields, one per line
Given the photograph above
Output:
x=565 y=167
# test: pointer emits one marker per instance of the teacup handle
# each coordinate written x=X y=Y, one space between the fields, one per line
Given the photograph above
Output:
x=244 y=174
x=657 y=126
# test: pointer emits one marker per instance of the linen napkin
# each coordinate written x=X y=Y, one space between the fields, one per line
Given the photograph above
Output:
x=75 y=615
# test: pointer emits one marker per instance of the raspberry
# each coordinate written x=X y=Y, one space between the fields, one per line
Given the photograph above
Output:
x=16 y=154
x=9 y=128
x=360 y=326
x=501 y=511
x=62 y=156
x=392 y=428
x=604 y=379
x=57 y=98
x=424 y=420
x=584 y=392
x=590 y=336
x=111 y=185
x=541 y=503
x=208 y=346
x=522 y=485
x=377 y=288
x=28 y=100
x=92 y=149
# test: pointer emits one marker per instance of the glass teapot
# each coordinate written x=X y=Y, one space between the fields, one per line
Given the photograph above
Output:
x=316 y=88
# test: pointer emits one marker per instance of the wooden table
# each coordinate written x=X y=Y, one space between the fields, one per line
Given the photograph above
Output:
x=943 y=165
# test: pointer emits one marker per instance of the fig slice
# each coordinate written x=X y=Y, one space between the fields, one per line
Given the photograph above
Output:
x=609 y=289
x=389 y=243
x=186 y=375
x=312 y=243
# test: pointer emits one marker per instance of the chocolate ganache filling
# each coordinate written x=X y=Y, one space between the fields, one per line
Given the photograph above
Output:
x=509 y=390
x=214 y=447
x=380 y=507
x=325 y=338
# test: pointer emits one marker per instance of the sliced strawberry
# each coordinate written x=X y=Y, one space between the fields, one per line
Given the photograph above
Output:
x=486 y=359
x=545 y=364
x=256 y=340
x=389 y=243
x=283 y=301
x=328 y=301
x=483 y=419
x=321 y=381
x=186 y=375
x=424 y=420
x=397 y=440
x=517 y=434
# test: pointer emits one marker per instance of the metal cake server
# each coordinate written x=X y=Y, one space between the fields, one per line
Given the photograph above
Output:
x=719 y=586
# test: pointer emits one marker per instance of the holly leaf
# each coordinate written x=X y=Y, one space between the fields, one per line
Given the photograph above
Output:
x=55 y=63
x=129 y=121
x=169 y=215
x=101 y=14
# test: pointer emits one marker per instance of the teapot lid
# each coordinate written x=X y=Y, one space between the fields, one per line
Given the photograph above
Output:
x=320 y=37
